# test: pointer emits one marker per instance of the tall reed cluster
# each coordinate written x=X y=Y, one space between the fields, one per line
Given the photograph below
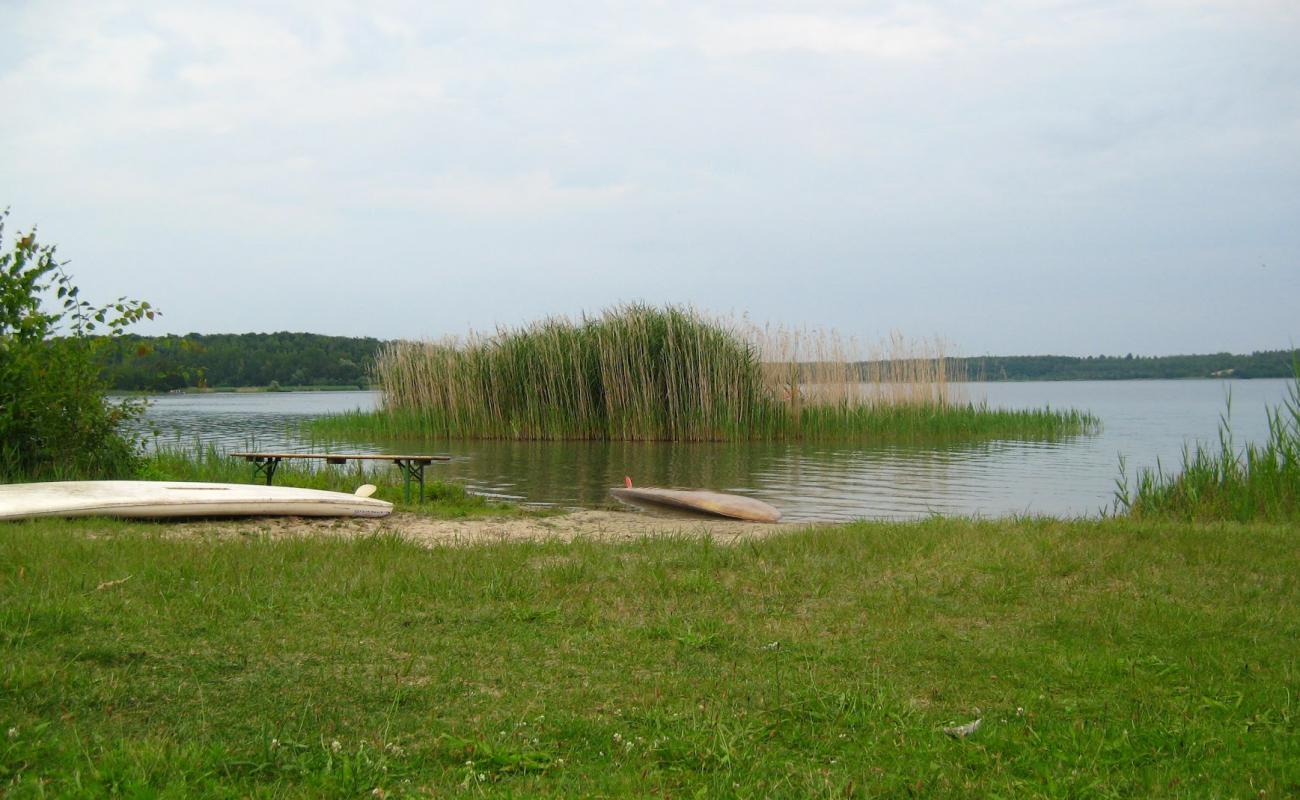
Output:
x=638 y=372
x=635 y=372
x=1256 y=482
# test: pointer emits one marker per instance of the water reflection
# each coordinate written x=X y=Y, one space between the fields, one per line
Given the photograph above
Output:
x=237 y=420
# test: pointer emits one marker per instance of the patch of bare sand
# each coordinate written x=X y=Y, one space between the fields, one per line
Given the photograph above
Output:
x=598 y=525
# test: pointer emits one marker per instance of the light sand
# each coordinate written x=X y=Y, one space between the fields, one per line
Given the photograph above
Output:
x=598 y=525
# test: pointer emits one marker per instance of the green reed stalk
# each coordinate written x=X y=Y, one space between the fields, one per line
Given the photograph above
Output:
x=1259 y=481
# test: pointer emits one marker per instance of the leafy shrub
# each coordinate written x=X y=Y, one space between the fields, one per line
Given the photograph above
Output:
x=55 y=420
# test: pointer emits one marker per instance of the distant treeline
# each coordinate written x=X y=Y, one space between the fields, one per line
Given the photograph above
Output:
x=164 y=363
x=1268 y=364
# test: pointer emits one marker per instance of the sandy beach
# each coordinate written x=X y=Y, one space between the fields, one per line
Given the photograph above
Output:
x=589 y=524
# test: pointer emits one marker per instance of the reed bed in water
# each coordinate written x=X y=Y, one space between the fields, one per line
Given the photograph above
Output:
x=643 y=373
x=634 y=373
x=1256 y=482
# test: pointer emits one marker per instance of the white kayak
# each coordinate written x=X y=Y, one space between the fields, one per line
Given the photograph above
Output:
x=178 y=499
x=732 y=506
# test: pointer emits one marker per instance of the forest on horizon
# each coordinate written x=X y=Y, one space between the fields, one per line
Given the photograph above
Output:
x=287 y=359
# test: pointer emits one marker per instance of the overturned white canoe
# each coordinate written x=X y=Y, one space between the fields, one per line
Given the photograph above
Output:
x=178 y=499
x=732 y=506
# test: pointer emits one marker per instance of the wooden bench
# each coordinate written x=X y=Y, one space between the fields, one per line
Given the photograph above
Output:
x=411 y=466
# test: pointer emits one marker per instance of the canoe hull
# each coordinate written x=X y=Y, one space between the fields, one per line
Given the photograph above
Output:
x=159 y=499
x=719 y=504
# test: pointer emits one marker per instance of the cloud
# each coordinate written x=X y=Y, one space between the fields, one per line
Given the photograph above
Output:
x=822 y=35
x=461 y=194
x=757 y=155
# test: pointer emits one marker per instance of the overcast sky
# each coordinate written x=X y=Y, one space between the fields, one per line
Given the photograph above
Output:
x=1017 y=177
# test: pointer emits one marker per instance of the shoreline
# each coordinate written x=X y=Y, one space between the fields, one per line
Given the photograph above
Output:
x=595 y=525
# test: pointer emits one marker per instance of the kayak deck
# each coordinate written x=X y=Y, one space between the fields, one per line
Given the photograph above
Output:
x=155 y=499
x=732 y=506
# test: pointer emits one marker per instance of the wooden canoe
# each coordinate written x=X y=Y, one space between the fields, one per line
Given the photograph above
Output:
x=178 y=499
x=732 y=506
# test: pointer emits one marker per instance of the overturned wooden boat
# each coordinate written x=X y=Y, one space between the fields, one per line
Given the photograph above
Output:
x=180 y=499
x=732 y=506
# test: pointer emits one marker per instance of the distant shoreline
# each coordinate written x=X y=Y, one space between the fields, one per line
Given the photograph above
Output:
x=312 y=362
x=288 y=389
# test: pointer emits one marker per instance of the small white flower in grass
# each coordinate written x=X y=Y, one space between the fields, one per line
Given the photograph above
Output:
x=13 y=733
x=772 y=646
x=482 y=777
x=1020 y=712
x=336 y=746
x=378 y=792
x=275 y=743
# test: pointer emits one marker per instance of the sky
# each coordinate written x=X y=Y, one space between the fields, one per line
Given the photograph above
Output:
x=1015 y=176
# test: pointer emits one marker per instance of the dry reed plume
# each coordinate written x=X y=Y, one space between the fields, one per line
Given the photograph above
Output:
x=821 y=367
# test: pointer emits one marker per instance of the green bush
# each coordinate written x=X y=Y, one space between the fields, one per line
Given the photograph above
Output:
x=55 y=420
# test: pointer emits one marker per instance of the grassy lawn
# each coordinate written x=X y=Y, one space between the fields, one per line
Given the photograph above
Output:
x=1106 y=658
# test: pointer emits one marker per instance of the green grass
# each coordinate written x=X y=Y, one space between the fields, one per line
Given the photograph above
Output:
x=877 y=424
x=643 y=373
x=941 y=422
x=1106 y=658
x=1260 y=481
x=442 y=500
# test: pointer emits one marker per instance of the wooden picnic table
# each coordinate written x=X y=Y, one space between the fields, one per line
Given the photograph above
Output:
x=411 y=466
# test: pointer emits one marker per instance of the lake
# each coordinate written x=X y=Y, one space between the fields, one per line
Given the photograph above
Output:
x=1143 y=421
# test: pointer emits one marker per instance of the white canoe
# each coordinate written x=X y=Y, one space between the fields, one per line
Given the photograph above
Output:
x=733 y=506
x=178 y=499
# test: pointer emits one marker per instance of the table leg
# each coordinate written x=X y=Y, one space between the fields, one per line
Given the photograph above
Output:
x=265 y=466
x=411 y=469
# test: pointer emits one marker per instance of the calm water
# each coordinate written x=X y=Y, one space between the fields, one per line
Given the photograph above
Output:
x=1143 y=421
